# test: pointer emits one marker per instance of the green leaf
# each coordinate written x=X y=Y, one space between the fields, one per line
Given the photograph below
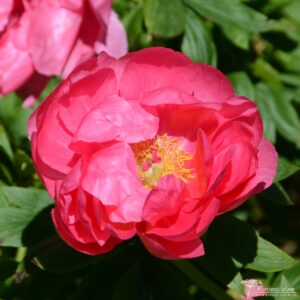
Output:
x=164 y=18
x=292 y=10
x=242 y=84
x=14 y=117
x=261 y=95
x=241 y=245
x=290 y=79
x=4 y=143
x=133 y=22
x=285 y=169
x=289 y=279
x=289 y=60
x=232 y=13
x=269 y=258
x=262 y=69
x=18 y=208
x=236 y=284
x=239 y=37
x=282 y=112
x=197 y=41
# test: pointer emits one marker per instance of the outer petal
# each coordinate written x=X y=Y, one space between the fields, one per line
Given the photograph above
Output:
x=153 y=68
x=116 y=39
x=191 y=220
x=102 y=8
x=80 y=102
x=80 y=53
x=171 y=250
x=211 y=85
x=265 y=173
x=15 y=64
x=92 y=248
x=52 y=144
x=232 y=166
x=52 y=35
x=112 y=178
x=6 y=7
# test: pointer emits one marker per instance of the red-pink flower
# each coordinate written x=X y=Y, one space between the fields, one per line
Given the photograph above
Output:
x=151 y=145
x=43 y=38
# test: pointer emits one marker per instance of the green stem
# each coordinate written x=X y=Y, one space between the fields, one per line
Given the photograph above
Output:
x=21 y=253
x=202 y=281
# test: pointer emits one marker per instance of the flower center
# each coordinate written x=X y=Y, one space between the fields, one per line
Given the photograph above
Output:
x=159 y=157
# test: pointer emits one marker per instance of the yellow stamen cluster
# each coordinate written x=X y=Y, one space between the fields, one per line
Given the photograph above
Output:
x=159 y=157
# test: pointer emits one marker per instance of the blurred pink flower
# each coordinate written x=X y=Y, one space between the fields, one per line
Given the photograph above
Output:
x=150 y=145
x=44 y=38
x=253 y=288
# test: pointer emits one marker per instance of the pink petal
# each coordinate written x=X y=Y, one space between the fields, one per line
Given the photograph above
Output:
x=239 y=161
x=79 y=54
x=113 y=120
x=102 y=8
x=166 y=249
x=167 y=95
x=6 y=7
x=52 y=141
x=15 y=65
x=80 y=101
x=116 y=40
x=191 y=220
x=111 y=177
x=201 y=164
x=154 y=68
x=52 y=35
x=211 y=85
x=265 y=173
x=93 y=27
x=186 y=120
x=163 y=200
x=92 y=248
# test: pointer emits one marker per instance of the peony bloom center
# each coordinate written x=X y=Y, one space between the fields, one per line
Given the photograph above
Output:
x=160 y=157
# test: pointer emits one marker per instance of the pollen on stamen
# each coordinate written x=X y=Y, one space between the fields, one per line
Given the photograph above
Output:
x=160 y=157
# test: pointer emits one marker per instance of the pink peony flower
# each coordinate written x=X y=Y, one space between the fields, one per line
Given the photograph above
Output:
x=43 y=38
x=151 y=145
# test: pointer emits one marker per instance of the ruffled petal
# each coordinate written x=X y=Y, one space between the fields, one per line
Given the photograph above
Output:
x=80 y=102
x=111 y=177
x=53 y=31
x=112 y=120
x=91 y=248
x=154 y=68
x=15 y=64
x=163 y=200
x=6 y=7
x=171 y=250
x=263 y=178
x=116 y=39
x=211 y=85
